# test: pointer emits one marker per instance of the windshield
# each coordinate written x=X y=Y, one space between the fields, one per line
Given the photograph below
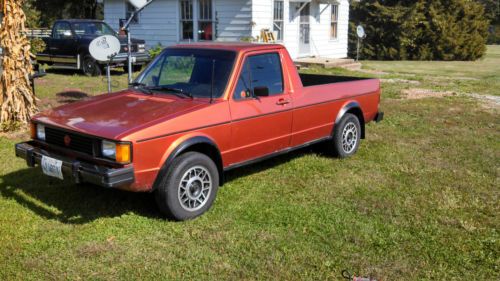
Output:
x=194 y=71
x=93 y=28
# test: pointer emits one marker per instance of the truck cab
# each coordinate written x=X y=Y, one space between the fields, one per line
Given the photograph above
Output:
x=67 y=47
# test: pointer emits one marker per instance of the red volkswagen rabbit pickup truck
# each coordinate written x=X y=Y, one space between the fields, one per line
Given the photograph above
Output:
x=197 y=111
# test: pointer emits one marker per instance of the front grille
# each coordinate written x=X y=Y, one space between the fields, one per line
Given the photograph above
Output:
x=78 y=143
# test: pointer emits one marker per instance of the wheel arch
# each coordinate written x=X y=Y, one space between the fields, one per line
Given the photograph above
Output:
x=201 y=144
x=352 y=107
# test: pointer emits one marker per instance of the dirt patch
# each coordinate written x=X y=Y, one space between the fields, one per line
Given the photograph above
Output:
x=487 y=101
x=401 y=81
x=413 y=94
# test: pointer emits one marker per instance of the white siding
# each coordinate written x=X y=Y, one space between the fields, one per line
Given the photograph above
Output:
x=114 y=10
x=321 y=43
x=237 y=19
x=234 y=19
x=262 y=16
x=157 y=23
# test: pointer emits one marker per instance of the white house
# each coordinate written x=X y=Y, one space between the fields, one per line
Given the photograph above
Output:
x=306 y=27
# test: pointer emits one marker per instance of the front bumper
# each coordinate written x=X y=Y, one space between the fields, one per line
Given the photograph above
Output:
x=137 y=58
x=78 y=171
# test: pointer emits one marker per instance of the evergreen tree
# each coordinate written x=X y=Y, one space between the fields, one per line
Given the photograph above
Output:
x=420 y=30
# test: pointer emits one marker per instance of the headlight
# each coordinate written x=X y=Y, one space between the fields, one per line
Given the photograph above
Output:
x=120 y=152
x=40 y=132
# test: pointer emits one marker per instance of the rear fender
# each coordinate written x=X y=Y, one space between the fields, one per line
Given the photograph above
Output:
x=355 y=108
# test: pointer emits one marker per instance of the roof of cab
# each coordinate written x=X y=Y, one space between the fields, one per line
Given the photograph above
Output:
x=234 y=46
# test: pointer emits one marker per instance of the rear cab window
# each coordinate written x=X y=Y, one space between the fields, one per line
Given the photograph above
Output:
x=262 y=70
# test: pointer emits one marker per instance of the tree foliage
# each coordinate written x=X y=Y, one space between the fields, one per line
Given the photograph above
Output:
x=420 y=30
x=43 y=13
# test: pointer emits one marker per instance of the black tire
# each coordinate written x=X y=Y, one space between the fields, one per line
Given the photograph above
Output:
x=135 y=68
x=196 y=200
x=346 y=137
x=90 y=67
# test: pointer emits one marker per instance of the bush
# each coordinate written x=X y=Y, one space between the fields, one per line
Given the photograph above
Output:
x=155 y=51
x=37 y=45
x=420 y=30
x=494 y=37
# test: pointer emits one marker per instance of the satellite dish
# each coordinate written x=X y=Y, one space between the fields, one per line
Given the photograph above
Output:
x=104 y=47
x=360 y=31
x=138 y=3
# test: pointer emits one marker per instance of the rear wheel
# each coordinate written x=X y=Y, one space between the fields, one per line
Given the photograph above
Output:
x=90 y=66
x=188 y=189
x=346 y=137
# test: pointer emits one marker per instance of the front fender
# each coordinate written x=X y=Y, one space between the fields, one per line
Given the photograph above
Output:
x=185 y=143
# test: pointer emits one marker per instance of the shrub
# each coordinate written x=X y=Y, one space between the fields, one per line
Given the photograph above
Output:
x=420 y=30
x=155 y=51
x=37 y=45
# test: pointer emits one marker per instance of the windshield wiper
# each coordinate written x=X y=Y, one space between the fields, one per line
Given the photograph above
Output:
x=141 y=86
x=176 y=91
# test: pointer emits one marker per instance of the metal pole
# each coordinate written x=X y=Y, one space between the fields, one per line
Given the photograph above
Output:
x=108 y=73
x=129 y=57
x=357 y=51
x=129 y=40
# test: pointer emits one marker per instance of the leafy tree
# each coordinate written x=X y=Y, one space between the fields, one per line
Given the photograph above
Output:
x=420 y=30
x=58 y=9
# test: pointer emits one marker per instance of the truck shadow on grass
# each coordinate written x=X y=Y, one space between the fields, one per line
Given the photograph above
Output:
x=69 y=203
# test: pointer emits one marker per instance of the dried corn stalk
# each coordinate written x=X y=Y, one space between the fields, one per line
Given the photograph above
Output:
x=17 y=100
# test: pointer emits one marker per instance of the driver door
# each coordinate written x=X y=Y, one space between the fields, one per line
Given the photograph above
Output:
x=260 y=109
x=62 y=46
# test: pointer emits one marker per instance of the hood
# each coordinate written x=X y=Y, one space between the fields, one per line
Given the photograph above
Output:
x=114 y=116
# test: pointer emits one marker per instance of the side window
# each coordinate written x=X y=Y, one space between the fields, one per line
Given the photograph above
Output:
x=243 y=87
x=260 y=71
x=62 y=30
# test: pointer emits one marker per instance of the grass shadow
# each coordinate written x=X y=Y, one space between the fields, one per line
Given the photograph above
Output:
x=72 y=204
x=249 y=170
x=69 y=203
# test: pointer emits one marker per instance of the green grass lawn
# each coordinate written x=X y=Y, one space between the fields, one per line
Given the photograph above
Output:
x=418 y=202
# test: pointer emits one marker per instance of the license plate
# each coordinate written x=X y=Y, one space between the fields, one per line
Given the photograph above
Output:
x=52 y=167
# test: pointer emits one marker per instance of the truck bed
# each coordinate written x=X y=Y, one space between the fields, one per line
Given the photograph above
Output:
x=309 y=80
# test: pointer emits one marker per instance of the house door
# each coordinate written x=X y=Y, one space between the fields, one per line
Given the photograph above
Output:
x=304 y=30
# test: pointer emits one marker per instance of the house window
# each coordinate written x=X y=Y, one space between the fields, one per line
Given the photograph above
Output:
x=335 y=21
x=205 y=20
x=278 y=19
x=130 y=10
x=187 y=24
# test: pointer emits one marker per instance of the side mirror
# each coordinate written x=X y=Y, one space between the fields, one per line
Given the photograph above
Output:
x=261 y=91
x=67 y=34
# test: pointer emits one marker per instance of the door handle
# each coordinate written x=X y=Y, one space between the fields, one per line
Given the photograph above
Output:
x=283 y=102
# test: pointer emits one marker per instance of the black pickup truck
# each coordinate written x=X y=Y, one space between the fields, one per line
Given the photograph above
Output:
x=67 y=47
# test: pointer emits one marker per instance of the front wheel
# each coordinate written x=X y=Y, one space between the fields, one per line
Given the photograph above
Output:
x=90 y=66
x=346 y=137
x=188 y=189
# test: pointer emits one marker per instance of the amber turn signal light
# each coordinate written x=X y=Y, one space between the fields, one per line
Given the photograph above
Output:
x=33 y=130
x=123 y=153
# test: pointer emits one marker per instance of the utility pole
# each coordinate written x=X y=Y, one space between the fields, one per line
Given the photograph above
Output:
x=126 y=28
